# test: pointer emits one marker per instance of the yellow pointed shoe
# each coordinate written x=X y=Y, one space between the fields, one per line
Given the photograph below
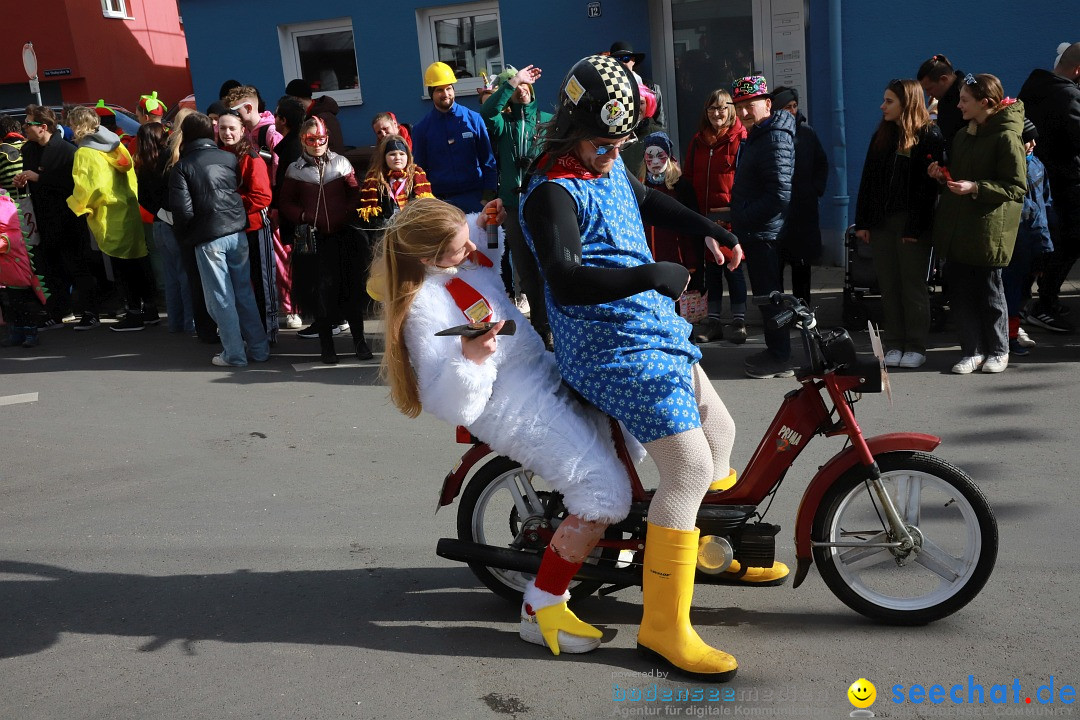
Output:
x=756 y=576
x=667 y=591
x=724 y=483
x=557 y=628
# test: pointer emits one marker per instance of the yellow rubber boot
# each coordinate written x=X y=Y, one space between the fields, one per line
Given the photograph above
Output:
x=724 y=483
x=667 y=590
x=774 y=575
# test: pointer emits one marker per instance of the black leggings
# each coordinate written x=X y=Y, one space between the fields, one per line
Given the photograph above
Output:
x=342 y=259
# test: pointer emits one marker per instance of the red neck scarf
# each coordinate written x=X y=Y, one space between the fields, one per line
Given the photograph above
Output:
x=568 y=166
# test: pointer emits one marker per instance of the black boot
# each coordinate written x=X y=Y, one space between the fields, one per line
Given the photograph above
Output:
x=326 y=343
x=363 y=352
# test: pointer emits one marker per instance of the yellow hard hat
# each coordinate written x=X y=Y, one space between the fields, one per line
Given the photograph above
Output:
x=439 y=74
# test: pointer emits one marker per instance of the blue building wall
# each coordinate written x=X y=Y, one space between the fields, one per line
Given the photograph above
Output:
x=235 y=39
x=882 y=41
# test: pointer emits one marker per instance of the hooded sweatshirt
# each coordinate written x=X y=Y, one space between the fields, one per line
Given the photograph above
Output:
x=107 y=193
x=1053 y=104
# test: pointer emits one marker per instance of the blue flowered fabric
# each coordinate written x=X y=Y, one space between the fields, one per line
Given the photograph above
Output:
x=632 y=357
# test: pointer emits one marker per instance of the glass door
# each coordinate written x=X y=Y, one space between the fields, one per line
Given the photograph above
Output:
x=712 y=44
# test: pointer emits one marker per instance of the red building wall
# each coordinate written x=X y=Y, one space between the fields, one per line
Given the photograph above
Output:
x=112 y=58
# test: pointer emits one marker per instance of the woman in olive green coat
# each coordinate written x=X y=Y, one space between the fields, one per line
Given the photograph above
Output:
x=977 y=218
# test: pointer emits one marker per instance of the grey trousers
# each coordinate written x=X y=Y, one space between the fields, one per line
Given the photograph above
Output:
x=977 y=300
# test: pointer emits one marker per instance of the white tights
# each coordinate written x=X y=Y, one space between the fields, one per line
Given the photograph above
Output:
x=690 y=461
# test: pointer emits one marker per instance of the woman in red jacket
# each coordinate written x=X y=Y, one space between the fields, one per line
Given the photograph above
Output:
x=254 y=189
x=710 y=165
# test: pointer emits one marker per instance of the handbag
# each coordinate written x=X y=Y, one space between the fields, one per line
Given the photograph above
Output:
x=694 y=306
x=304 y=241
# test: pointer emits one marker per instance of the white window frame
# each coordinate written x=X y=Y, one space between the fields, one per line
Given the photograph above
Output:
x=425 y=31
x=109 y=12
x=290 y=54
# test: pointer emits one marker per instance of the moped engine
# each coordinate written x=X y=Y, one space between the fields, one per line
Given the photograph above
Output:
x=727 y=535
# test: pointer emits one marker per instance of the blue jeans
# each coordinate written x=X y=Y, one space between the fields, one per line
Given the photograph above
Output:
x=226 y=280
x=763 y=266
x=468 y=202
x=177 y=290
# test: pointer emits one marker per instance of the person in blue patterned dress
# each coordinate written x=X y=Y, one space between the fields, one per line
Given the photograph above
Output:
x=620 y=344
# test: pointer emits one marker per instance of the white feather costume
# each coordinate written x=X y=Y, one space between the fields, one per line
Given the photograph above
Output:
x=515 y=401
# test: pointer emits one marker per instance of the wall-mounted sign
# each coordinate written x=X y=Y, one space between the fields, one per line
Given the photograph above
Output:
x=57 y=72
x=593 y=9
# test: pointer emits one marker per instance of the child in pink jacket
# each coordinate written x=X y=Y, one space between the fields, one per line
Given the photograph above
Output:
x=21 y=295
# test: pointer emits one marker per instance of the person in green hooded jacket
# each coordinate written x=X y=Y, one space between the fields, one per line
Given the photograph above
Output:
x=513 y=118
x=978 y=216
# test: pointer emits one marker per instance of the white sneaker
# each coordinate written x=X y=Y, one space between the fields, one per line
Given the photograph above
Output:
x=522 y=304
x=893 y=358
x=529 y=630
x=912 y=360
x=968 y=365
x=343 y=327
x=293 y=322
x=995 y=364
x=1023 y=339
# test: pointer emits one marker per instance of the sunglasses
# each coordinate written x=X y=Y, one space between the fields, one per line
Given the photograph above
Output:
x=316 y=140
x=719 y=109
x=969 y=79
x=613 y=147
x=31 y=123
x=624 y=58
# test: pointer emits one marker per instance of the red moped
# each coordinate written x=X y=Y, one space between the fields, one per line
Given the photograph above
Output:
x=898 y=534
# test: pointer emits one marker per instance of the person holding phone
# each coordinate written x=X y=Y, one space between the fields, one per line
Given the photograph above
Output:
x=434 y=270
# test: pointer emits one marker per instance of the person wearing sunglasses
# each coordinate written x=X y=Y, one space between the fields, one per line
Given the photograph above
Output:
x=624 y=53
x=619 y=342
x=63 y=255
x=319 y=197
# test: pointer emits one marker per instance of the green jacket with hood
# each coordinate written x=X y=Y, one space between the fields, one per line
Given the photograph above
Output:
x=514 y=136
x=981 y=229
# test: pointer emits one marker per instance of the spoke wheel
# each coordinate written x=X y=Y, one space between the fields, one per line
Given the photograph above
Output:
x=500 y=499
x=953 y=527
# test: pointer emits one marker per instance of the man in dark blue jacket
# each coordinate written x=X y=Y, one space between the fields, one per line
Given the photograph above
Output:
x=760 y=197
x=451 y=143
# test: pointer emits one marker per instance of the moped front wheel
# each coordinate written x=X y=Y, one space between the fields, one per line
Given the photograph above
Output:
x=953 y=528
x=497 y=507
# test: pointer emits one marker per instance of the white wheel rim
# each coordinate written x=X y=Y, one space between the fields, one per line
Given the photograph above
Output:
x=950 y=534
x=490 y=519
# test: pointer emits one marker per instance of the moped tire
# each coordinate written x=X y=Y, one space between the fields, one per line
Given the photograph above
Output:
x=490 y=513
x=954 y=525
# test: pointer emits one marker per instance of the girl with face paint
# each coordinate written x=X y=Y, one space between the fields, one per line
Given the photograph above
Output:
x=660 y=171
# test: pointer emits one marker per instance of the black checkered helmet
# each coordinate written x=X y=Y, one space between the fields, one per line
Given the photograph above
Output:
x=600 y=94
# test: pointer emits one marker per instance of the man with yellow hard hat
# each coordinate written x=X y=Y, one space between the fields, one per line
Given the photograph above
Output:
x=451 y=143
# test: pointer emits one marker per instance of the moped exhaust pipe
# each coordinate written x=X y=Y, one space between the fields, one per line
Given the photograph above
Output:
x=527 y=562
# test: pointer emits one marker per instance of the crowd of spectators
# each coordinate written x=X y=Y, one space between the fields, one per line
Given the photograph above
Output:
x=985 y=185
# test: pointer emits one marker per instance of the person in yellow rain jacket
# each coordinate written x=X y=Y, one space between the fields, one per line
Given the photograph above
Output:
x=106 y=192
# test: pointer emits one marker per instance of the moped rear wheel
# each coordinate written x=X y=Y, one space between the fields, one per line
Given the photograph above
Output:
x=499 y=500
x=953 y=526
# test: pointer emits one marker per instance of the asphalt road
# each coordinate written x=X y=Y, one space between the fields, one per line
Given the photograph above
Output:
x=185 y=541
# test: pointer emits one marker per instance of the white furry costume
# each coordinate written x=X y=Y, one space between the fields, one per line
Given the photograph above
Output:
x=515 y=401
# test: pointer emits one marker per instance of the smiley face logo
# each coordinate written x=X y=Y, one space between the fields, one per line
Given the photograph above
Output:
x=862 y=693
